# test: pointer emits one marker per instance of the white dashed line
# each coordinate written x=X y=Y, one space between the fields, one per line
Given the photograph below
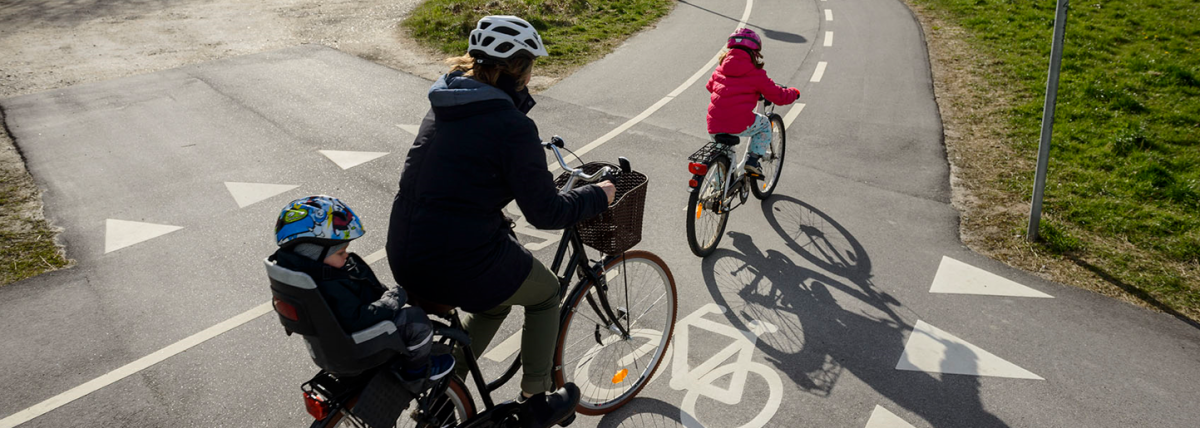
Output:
x=828 y=38
x=505 y=349
x=787 y=120
x=828 y=14
x=819 y=72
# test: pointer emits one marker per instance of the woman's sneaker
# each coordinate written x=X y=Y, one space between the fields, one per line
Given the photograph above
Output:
x=752 y=167
x=549 y=408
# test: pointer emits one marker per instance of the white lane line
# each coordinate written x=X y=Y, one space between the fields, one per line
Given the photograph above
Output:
x=146 y=362
x=787 y=120
x=828 y=38
x=554 y=167
x=819 y=72
x=376 y=256
x=134 y=367
x=505 y=349
x=828 y=14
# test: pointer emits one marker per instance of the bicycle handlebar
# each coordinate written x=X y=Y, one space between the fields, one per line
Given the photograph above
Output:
x=553 y=145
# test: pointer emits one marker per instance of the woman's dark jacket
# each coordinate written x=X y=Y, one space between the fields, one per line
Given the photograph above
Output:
x=356 y=297
x=448 y=240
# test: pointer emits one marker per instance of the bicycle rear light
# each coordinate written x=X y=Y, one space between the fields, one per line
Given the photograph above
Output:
x=697 y=168
x=693 y=183
x=286 y=309
x=316 y=405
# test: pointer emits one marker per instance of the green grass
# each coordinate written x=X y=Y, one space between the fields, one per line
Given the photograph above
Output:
x=575 y=31
x=1126 y=140
x=26 y=247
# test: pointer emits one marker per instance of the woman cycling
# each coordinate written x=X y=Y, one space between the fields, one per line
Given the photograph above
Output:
x=450 y=243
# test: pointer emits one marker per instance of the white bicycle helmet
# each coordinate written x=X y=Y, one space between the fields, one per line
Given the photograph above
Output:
x=499 y=37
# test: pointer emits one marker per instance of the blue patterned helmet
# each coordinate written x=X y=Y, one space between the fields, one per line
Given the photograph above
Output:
x=322 y=220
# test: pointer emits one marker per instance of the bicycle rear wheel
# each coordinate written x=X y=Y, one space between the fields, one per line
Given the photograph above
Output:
x=705 y=217
x=772 y=163
x=452 y=409
x=610 y=369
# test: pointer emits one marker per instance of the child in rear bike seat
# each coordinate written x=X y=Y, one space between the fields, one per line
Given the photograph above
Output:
x=313 y=234
x=735 y=87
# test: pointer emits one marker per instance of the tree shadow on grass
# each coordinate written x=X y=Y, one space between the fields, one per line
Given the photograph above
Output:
x=829 y=326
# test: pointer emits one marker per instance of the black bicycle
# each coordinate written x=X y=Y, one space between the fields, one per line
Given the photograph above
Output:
x=616 y=323
x=716 y=189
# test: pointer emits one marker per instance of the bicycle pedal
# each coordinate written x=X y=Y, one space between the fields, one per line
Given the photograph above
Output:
x=567 y=421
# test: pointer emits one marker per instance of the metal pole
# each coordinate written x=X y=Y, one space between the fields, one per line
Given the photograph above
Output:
x=1039 y=182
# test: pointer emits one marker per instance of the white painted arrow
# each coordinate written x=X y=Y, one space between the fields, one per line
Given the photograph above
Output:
x=932 y=350
x=882 y=418
x=348 y=160
x=119 y=234
x=246 y=194
x=955 y=277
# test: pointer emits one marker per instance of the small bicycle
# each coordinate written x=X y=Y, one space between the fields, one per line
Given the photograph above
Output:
x=716 y=189
x=616 y=323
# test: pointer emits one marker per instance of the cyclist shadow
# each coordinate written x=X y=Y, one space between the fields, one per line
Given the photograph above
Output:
x=642 y=412
x=828 y=326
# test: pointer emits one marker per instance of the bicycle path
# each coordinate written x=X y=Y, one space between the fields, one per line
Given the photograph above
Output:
x=841 y=262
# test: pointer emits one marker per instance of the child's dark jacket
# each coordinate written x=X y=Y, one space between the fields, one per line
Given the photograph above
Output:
x=356 y=297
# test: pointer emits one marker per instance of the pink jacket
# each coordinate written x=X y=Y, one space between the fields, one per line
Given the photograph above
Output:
x=735 y=87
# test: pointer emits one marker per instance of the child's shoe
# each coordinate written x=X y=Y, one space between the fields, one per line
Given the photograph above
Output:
x=752 y=167
x=421 y=378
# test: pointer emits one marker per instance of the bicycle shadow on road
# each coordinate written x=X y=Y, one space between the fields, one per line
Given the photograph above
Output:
x=832 y=324
x=642 y=412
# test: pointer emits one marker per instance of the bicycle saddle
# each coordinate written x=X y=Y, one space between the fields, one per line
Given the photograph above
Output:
x=727 y=139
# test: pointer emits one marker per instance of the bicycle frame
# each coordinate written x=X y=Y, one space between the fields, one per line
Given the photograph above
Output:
x=736 y=173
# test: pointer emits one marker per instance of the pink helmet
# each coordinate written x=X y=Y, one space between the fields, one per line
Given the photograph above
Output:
x=746 y=38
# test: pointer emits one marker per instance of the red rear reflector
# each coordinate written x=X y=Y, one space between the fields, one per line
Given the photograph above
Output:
x=697 y=168
x=286 y=309
x=316 y=405
x=693 y=183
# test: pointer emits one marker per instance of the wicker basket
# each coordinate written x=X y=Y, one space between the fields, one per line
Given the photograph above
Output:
x=620 y=227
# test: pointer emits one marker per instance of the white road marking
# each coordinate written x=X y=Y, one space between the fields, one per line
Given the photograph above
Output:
x=376 y=256
x=505 y=349
x=955 y=277
x=932 y=350
x=119 y=234
x=134 y=367
x=819 y=72
x=828 y=14
x=787 y=120
x=828 y=38
x=882 y=418
x=554 y=167
x=411 y=129
x=246 y=194
x=146 y=362
x=347 y=160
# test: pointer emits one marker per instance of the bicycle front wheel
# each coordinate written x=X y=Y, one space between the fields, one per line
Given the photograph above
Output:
x=706 y=217
x=608 y=367
x=772 y=162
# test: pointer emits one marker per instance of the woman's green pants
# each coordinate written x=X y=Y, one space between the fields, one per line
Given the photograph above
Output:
x=539 y=295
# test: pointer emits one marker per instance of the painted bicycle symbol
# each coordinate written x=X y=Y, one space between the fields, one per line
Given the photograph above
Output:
x=698 y=381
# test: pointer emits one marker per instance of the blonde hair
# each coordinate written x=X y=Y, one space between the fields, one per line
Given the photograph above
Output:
x=758 y=61
x=518 y=67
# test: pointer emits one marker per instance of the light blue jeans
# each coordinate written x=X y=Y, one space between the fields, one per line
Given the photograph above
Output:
x=759 y=133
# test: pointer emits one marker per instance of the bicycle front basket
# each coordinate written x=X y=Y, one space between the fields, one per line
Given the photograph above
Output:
x=619 y=228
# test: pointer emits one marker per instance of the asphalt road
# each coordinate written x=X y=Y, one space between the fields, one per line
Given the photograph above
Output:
x=855 y=262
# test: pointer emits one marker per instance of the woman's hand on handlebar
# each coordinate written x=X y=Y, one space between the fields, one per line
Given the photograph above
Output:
x=609 y=190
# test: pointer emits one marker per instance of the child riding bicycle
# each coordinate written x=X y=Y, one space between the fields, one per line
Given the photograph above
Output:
x=736 y=86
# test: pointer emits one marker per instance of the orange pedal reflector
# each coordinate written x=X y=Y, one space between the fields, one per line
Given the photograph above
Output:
x=620 y=376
